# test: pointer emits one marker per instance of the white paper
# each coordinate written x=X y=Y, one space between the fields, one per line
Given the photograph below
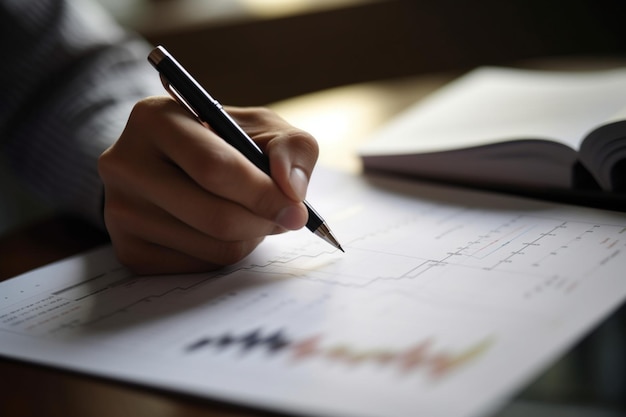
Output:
x=442 y=294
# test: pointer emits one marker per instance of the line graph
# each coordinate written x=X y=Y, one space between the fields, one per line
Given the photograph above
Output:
x=462 y=244
x=438 y=296
x=522 y=244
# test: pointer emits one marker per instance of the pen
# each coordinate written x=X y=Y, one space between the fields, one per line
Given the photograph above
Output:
x=190 y=94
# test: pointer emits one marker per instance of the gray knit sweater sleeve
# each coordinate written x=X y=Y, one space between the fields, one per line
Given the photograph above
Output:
x=68 y=80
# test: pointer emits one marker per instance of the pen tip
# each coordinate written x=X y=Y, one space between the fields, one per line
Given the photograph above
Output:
x=324 y=232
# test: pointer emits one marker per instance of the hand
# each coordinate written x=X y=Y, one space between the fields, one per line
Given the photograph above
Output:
x=178 y=198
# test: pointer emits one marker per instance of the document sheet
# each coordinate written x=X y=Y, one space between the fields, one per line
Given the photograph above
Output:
x=446 y=303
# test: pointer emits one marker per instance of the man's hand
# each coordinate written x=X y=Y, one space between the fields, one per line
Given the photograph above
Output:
x=178 y=198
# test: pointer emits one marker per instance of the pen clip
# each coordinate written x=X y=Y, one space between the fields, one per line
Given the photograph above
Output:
x=176 y=96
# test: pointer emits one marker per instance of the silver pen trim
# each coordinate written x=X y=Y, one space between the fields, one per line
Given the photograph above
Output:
x=324 y=232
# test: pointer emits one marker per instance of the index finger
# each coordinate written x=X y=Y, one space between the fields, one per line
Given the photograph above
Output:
x=292 y=152
x=222 y=170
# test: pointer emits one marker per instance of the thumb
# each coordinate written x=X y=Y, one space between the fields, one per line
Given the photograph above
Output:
x=292 y=158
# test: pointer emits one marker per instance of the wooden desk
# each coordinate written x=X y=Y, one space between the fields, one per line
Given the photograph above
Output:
x=27 y=390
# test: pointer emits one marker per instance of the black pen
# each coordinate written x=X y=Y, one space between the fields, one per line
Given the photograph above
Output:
x=190 y=94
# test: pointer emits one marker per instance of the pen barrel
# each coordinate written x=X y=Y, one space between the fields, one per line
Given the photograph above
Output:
x=225 y=127
x=210 y=111
x=315 y=220
x=222 y=123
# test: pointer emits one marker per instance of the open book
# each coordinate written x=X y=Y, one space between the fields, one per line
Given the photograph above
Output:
x=515 y=130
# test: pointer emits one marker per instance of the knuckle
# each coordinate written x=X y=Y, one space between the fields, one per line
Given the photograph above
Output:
x=265 y=204
x=222 y=226
x=105 y=164
x=232 y=252
x=127 y=252
x=136 y=265
x=126 y=258
x=299 y=141
x=305 y=142
x=147 y=112
x=211 y=167
x=120 y=219
x=255 y=120
x=144 y=109
x=141 y=112
x=254 y=115
x=113 y=167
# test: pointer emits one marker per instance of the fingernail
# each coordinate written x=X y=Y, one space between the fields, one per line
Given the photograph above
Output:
x=299 y=182
x=289 y=218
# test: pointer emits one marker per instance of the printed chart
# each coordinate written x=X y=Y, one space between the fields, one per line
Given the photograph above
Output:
x=440 y=293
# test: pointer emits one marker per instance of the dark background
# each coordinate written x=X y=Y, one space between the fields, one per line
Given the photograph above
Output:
x=254 y=62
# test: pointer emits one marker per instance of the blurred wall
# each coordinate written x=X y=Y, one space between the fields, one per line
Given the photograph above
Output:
x=253 y=62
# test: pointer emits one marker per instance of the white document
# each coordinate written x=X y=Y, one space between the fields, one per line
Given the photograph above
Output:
x=446 y=303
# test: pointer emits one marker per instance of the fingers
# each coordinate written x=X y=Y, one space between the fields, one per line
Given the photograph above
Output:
x=221 y=170
x=178 y=198
x=157 y=185
x=151 y=241
x=292 y=152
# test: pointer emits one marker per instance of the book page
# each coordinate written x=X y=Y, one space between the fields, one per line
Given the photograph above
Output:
x=441 y=294
x=490 y=105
